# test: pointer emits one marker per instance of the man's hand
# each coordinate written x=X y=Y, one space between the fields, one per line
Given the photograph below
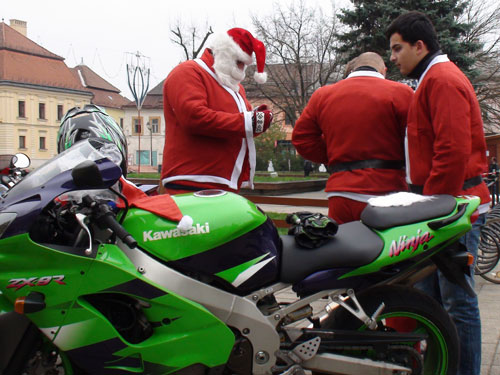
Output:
x=261 y=119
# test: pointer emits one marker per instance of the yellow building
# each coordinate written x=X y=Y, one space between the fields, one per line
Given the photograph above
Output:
x=36 y=90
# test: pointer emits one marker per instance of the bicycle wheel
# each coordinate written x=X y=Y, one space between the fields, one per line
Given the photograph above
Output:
x=488 y=250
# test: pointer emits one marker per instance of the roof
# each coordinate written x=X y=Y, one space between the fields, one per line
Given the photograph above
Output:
x=108 y=99
x=105 y=94
x=25 y=62
x=90 y=79
x=11 y=39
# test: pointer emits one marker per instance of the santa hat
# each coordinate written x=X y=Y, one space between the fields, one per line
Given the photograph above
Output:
x=242 y=44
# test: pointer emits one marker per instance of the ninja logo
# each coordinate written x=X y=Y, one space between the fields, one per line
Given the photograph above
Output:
x=35 y=281
x=173 y=233
x=404 y=243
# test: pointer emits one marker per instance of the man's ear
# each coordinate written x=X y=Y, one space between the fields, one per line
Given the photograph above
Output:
x=421 y=48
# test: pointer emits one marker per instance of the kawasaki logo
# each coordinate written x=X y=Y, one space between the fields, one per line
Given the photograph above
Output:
x=173 y=233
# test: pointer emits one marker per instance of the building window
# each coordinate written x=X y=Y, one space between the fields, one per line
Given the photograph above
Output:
x=121 y=122
x=21 y=108
x=59 y=112
x=137 y=128
x=22 y=141
x=41 y=111
x=42 y=143
x=155 y=124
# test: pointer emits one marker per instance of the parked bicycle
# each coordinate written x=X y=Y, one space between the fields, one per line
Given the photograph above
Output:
x=487 y=265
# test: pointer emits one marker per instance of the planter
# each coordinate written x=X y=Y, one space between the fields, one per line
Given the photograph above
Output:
x=263 y=188
x=285 y=187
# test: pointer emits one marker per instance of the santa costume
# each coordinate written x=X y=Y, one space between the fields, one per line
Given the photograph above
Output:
x=209 y=135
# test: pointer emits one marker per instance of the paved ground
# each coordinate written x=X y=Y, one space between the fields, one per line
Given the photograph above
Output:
x=488 y=293
x=489 y=303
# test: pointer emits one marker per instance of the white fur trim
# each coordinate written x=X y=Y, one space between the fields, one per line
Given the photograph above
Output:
x=186 y=223
x=398 y=199
x=260 y=77
x=219 y=41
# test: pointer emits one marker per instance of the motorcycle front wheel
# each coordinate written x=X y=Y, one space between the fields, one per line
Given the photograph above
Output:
x=36 y=355
x=406 y=310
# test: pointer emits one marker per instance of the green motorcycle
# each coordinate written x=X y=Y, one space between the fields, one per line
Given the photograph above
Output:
x=89 y=286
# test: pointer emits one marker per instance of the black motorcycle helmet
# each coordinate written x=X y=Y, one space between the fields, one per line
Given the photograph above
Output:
x=91 y=121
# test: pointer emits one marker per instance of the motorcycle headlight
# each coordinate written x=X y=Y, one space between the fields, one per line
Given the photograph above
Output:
x=5 y=219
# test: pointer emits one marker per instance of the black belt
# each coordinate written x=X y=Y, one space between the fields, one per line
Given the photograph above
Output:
x=471 y=182
x=181 y=187
x=362 y=164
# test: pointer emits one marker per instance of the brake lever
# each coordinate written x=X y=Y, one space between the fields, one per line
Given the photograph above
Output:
x=81 y=220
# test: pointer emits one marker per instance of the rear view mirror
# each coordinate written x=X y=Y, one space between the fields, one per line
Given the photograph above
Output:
x=87 y=174
x=20 y=161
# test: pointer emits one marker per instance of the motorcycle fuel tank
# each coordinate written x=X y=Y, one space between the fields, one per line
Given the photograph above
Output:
x=230 y=238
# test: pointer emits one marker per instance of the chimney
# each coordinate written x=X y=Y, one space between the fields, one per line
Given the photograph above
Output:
x=19 y=26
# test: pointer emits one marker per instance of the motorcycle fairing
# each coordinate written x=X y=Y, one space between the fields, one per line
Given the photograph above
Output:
x=28 y=197
x=416 y=239
x=28 y=204
x=184 y=332
x=241 y=265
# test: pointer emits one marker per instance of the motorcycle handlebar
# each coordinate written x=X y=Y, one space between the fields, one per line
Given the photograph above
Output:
x=108 y=219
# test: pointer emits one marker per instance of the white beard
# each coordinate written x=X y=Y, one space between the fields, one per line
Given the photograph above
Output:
x=227 y=71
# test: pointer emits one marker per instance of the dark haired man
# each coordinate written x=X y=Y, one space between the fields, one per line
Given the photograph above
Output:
x=447 y=155
x=357 y=127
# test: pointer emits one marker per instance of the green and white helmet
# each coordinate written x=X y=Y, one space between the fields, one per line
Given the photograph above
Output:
x=91 y=121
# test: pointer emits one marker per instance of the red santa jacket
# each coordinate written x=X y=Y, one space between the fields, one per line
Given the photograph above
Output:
x=446 y=144
x=208 y=137
x=360 y=118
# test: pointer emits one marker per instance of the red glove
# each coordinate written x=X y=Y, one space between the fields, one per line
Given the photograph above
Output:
x=261 y=119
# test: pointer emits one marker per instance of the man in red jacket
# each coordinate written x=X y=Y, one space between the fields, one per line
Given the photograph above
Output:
x=447 y=155
x=357 y=127
x=210 y=125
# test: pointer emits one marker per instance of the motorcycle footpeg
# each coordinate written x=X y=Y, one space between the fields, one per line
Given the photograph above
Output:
x=357 y=311
x=305 y=351
x=297 y=355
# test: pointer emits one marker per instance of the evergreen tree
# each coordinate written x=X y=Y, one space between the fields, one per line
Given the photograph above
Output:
x=368 y=20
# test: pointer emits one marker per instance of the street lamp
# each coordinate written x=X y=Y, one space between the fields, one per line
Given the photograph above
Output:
x=150 y=128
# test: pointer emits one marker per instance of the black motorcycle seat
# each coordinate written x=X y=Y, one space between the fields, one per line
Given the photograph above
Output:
x=354 y=245
x=387 y=217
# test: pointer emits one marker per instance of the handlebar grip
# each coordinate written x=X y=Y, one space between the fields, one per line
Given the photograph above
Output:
x=108 y=219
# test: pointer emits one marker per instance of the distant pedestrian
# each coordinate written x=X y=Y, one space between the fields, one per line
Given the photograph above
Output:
x=308 y=167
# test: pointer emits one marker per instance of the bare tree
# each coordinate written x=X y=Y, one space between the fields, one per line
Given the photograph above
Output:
x=300 y=44
x=485 y=18
x=191 y=39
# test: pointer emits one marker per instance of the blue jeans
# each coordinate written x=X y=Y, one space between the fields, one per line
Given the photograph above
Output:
x=463 y=308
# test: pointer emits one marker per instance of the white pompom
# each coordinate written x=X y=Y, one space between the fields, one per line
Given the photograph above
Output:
x=260 y=77
x=186 y=223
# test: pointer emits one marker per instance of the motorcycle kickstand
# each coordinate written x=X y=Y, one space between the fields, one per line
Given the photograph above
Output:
x=357 y=311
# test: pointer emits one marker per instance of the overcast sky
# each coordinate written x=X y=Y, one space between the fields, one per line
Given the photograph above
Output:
x=105 y=33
